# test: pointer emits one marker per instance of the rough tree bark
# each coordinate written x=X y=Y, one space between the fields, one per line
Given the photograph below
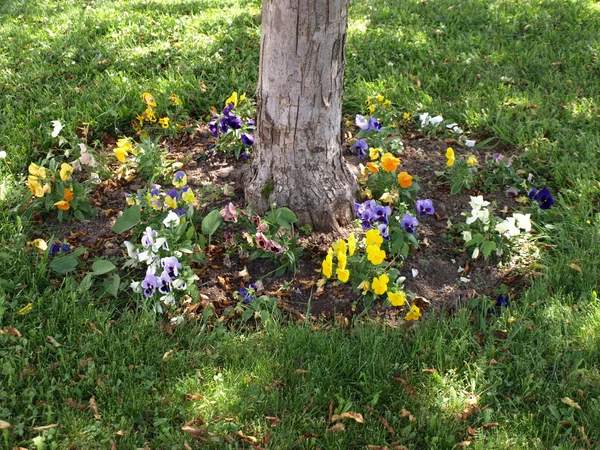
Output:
x=298 y=160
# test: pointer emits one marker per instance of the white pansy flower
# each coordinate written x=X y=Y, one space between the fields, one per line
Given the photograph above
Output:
x=172 y=220
x=2 y=154
x=466 y=235
x=523 y=221
x=470 y=143
x=435 y=121
x=478 y=202
x=475 y=254
x=424 y=118
x=131 y=251
x=57 y=127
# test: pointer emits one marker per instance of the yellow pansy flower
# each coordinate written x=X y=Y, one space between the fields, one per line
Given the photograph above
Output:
x=471 y=161
x=233 y=98
x=450 y=156
x=342 y=260
x=380 y=98
x=374 y=238
x=406 y=116
x=339 y=246
x=397 y=298
x=62 y=205
x=351 y=244
x=387 y=198
x=164 y=122
x=374 y=153
x=389 y=162
x=327 y=266
x=175 y=100
x=150 y=114
x=380 y=284
x=371 y=109
x=66 y=170
x=364 y=287
x=375 y=254
x=120 y=154
x=367 y=193
x=405 y=180
x=37 y=171
x=372 y=167
x=342 y=274
x=148 y=99
x=188 y=196
x=414 y=313
x=40 y=244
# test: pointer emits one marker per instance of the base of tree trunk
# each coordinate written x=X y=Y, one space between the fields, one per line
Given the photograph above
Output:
x=322 y=198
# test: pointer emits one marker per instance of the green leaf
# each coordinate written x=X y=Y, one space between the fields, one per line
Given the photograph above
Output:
x=475 y=240
x=211 y=222
x=112 y=287
x=247 y=315
x=487 y=247
x=456 y=187
x=285 y=217
x=190 y=233
x=130 y=218
x=102 y=266
x=64 y=264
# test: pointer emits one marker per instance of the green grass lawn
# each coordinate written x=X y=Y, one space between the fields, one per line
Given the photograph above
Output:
x=520 y=72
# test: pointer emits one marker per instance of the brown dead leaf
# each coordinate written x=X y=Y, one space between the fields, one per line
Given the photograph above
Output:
x=189 y=397
x=575 y=267
x=467 y=412
x=429 y=370
x=168 y=355
x=306 y=436
x=312 y=400
x=194 y=432
x=377 y=447
x=85 y=362
x=337 y=428
x=300 y=371
x=94 y=408
x=246 y=438
x=408 y=387
x=490 y=425
x=348 y=415
x=501 y=334
x=399 y=447
x=387 y=426
x=73 y=404
x=463 y=444
x=186 y=446
x=565 y=423
x=570 y=402
x=404 y=413
x=493 y=362
x=329 y=417
x=244 y=274
x=4 y=425
x=273 y=421
x=53 y=341
x=120 y=433
x=12 y=331
x=113 y=445
x=224 y=283
x=471 y=431
x=45 y=427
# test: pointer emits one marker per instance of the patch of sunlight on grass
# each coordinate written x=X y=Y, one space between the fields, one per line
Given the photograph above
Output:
x=451 y=395
x=582 y=108
x=359 y=26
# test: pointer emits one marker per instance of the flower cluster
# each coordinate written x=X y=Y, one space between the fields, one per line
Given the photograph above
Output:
x=341 y=250
x=370 y=213
x=176 y=201
x=165 y=273
x=151 y=114
x=56 y=248
x=58 y=189
x=227 y=123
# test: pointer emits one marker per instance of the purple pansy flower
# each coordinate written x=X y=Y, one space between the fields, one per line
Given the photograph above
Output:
x=361 y=122
x=165 y=283
x=180 y=212
x=362 y=147
x=155 y=189
x=275 y=247
x=229 y=213
x=503 y=300
x=373 y=125
x=148 y=237
x=54 y=249
x=409 y=223
x=171 y=266
x=213 y=128
x=261 y=241
x=425 y=207
x=247 y=139
x=384 y=231
x=543 y=197
x=65 y=248
x=150 y=284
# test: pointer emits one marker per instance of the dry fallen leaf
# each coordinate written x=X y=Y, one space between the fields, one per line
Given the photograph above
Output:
x=121 y=433
x=53 y=341
x=300 y=371
x=168 y=355
x=73 y=404
x=94 y=408
x=377 y=447
x=188 y=397
x=12 y=331
x=4 y=425
x=306 y=436
x=246 y=438
x=348 y=415
x=113 y=445
x=193 y=431
x=575 y=267
x=45 y=427
x=463 y=444
x=408 y=387
x=336 y=428
x=387 y=426
x=273 y=421
x=404 y=413
x=490 y=425
x=571 y=403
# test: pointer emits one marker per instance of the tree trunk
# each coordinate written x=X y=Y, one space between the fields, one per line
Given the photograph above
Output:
x=298 y=159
